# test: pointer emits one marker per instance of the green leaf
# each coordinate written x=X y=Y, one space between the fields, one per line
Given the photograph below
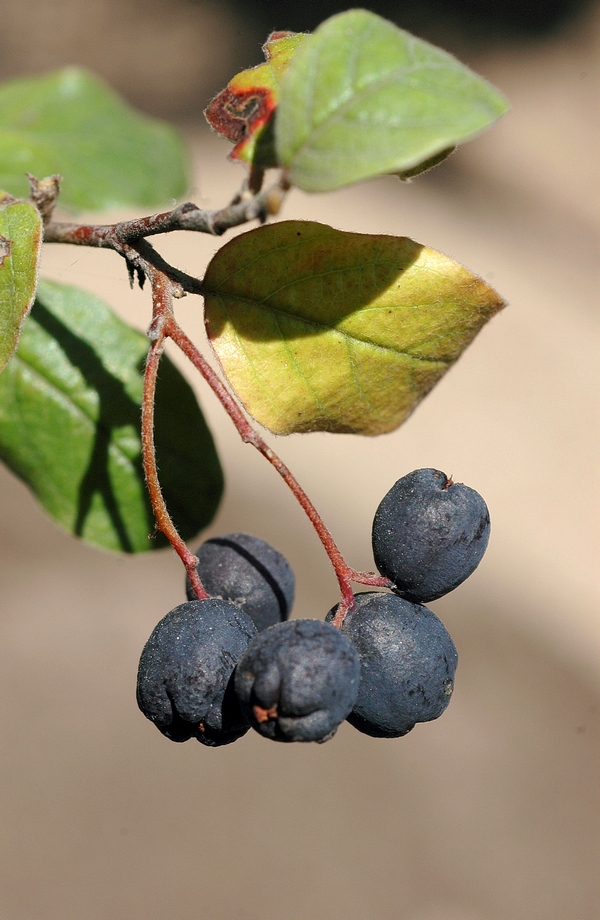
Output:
x=361 y=98
x=70 y=426
x=20 y=247
x=321 y=330
x=109 y=155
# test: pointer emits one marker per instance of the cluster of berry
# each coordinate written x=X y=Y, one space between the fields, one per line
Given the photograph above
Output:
x=214 y=668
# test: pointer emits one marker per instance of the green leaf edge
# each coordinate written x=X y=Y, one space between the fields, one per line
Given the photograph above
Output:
x=6 y=202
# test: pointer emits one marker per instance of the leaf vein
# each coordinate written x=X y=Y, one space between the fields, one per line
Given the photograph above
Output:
x=324 y=328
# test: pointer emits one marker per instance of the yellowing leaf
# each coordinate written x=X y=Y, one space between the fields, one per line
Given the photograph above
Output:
x=322 y=330
x=242 y=111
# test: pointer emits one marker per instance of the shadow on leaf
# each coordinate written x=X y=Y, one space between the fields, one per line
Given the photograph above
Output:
x=116 y=409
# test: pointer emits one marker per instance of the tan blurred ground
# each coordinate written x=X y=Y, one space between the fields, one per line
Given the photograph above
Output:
x=493 y=812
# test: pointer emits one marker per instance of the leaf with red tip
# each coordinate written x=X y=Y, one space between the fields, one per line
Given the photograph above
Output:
x=242 y=111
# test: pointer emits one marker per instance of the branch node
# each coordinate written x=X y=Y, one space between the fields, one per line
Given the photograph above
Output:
x=44 y=194
x=274 y=201
x=154 y=332
x=187 y=207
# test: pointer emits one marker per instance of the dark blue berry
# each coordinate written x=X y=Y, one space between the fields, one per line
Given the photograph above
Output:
x=429 y=534
x=185 y=676
x=297 y=681
x=407 y=664
x=248 y=572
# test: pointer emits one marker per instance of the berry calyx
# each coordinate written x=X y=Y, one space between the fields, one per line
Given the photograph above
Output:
x=297 y=681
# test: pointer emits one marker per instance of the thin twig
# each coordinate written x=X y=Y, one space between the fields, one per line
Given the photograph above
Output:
x=186 y=216
x=44 y=194
x=129 y=237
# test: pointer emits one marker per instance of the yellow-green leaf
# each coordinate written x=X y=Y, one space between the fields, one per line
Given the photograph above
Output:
x=20 y=246
x=322 y=330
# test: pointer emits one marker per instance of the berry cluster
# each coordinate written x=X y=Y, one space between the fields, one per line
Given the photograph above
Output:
x=214 y=668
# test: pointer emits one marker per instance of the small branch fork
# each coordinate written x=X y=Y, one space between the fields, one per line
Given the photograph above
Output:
x=128 y=238
x=244 y=208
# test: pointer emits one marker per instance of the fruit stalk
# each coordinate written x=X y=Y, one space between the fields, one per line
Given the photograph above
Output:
x=162 y=294
x=344 y=573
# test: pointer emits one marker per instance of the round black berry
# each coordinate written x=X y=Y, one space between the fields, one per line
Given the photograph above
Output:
x=407 y=664
x=297 y=681
x=429 y=534
x=248 y=572
x=185 y=675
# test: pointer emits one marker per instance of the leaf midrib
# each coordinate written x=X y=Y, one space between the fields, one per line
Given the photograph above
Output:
x=318 y=126
x=322 y=328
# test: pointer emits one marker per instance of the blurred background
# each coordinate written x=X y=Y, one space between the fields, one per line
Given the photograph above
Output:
x=491 y=813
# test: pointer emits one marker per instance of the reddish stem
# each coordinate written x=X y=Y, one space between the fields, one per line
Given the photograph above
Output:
x=162 y=293
x=345 y=575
